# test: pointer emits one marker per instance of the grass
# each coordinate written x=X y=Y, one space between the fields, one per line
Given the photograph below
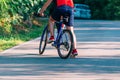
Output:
x=12 y=40
x=8 y=44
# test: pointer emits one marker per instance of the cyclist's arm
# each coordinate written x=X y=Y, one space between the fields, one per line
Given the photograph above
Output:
x=45 y=6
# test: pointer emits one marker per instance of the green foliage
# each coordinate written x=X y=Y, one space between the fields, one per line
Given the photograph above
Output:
x=16 y=12
x=103 y=9
x=79 y=1
x=4 y=17
x=112 y=10
x=15 y=39
x=97 y=8
x=16 y=19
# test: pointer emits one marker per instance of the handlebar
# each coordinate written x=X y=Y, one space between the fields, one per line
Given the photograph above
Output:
x=37 y=15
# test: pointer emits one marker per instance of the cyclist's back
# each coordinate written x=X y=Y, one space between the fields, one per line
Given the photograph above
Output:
x=64 y=2
x=63 y=7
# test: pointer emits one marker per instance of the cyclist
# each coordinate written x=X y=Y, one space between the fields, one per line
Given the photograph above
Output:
x=61 y=8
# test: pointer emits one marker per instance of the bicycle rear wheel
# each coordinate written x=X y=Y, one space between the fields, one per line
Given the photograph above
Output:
x=65 y=44
x=43 y=41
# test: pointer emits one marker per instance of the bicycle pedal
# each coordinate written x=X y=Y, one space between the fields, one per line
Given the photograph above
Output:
x=54 y=45
x=50 y=42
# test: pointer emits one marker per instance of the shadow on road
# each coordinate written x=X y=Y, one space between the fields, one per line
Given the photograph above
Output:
x=19 y=66
x=97 y=38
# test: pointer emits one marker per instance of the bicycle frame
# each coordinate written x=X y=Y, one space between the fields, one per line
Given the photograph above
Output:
x=59 y=32
x=61 y=40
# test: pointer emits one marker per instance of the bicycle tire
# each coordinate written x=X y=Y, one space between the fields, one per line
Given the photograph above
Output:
x=65 y=44
x=43 y=41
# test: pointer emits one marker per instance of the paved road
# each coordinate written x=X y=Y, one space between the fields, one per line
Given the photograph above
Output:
x=99 y=56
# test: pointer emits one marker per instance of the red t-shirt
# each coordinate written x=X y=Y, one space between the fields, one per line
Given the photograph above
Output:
x=65 y=2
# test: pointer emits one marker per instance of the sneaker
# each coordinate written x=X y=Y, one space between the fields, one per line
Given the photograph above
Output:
x=51 y=39
x=74 y=52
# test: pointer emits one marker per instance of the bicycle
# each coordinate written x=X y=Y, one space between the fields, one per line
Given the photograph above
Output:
x=63 y=40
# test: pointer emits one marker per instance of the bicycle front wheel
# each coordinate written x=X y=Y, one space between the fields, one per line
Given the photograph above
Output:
x=43 y=41
x=65 y=44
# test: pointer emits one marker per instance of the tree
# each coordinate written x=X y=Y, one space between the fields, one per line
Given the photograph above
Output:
x=97 y=8
x=112 y=10
x=13 y=12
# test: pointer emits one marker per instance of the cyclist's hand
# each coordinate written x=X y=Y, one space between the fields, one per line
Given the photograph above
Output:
x=38 y=15
x=41 y=14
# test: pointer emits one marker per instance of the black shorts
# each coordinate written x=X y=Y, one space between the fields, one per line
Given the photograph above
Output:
x=61 y=11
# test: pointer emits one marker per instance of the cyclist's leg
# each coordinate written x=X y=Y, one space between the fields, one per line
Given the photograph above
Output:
x=74 y=37
x=51 y=28
x=70 y=26
x=74 y=52
x=51 y=24
x=55 y=16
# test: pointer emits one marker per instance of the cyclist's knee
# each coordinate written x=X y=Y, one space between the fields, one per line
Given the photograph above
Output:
x=70 y=28
x=51 y=19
